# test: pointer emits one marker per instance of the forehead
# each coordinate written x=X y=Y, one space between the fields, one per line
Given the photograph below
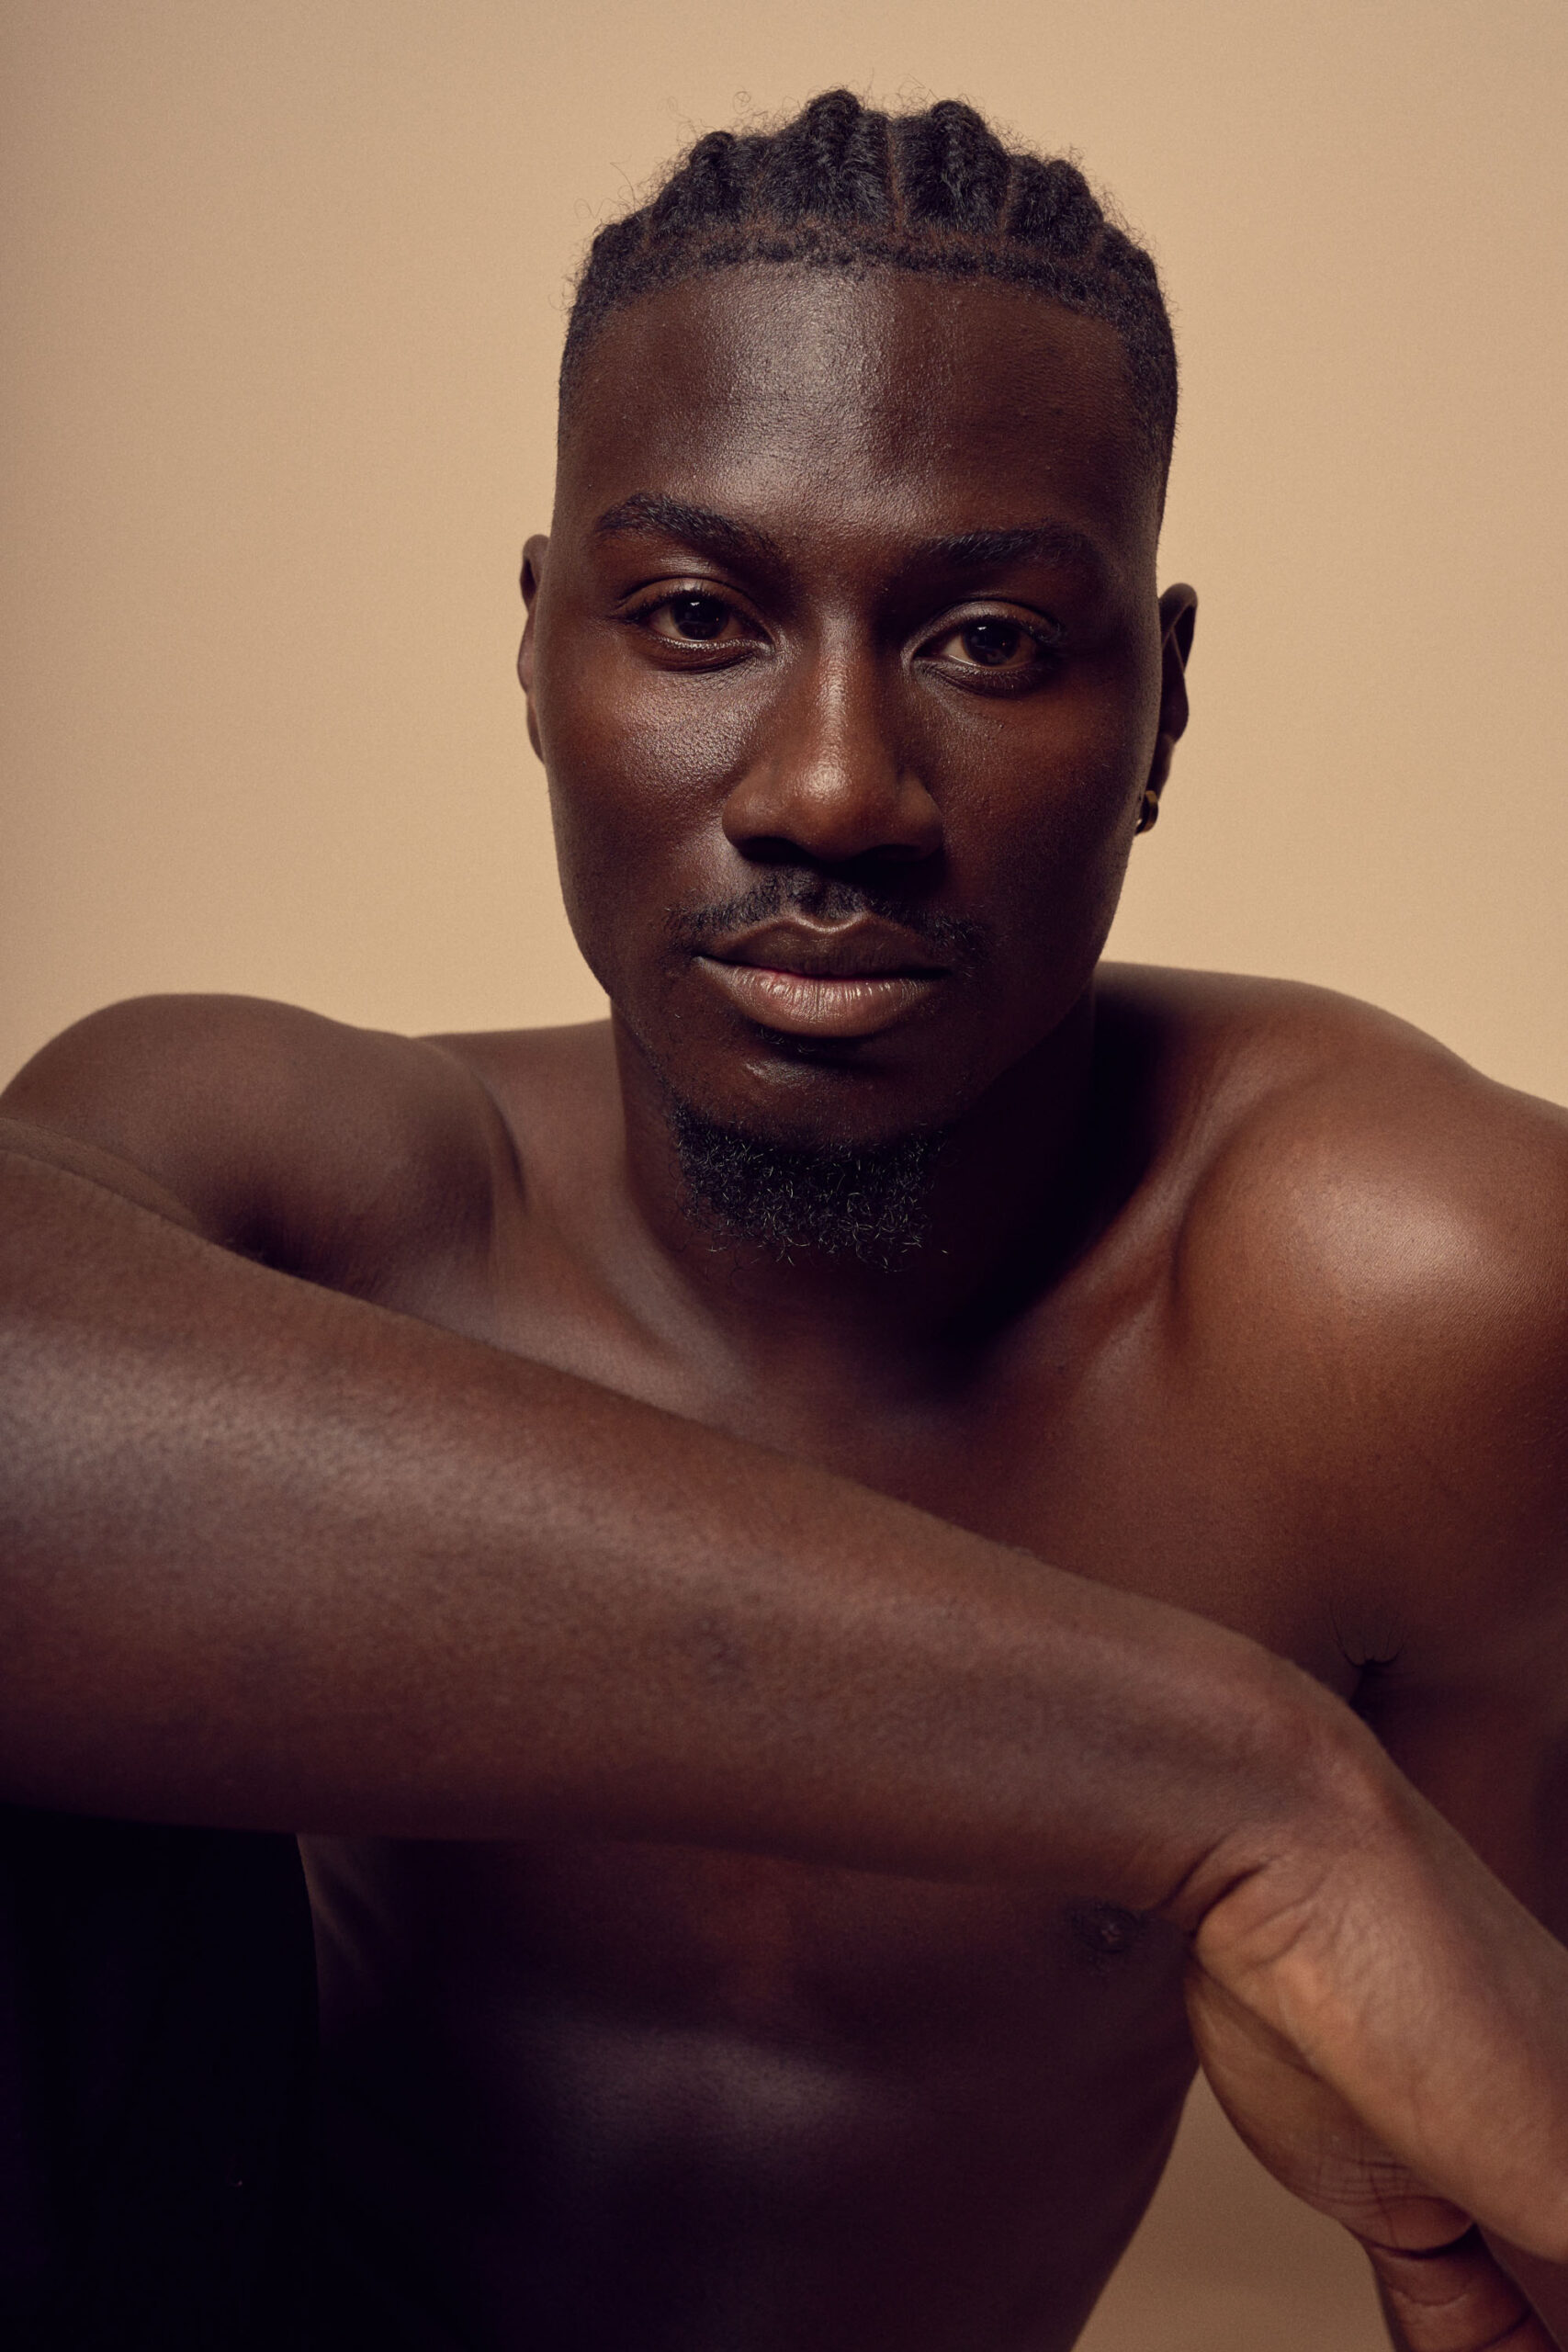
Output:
x=816 y=395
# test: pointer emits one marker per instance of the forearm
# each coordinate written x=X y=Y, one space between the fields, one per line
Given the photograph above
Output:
x=275 y=1557
x=272 y=1557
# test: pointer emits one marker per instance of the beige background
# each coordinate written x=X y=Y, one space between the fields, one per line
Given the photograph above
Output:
x=284 y=289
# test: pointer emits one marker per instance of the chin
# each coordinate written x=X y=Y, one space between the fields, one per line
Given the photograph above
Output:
x=795 y=1191
x=820 y=1101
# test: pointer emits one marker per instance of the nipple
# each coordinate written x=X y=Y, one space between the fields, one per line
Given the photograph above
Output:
x=1105 y=1932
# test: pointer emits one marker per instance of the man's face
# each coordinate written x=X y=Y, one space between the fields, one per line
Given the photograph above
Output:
x=847 y=669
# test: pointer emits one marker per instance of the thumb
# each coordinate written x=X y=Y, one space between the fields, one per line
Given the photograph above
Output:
x=1454 y=2298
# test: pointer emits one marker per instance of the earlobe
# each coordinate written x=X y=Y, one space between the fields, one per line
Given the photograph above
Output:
x=1159 y=770
x=525 y=679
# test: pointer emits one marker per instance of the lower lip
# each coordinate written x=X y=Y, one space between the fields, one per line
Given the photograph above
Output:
x=802 y=1004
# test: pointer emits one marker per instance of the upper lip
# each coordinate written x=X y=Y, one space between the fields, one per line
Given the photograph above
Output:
x=864 y=949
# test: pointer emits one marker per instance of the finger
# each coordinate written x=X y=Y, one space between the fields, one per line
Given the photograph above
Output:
x=1454 y=2298
x=1307 y=2134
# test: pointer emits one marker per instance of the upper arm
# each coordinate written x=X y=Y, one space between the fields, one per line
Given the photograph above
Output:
x=327 y=1151
x=1395 y=1250
x=1374 y=1279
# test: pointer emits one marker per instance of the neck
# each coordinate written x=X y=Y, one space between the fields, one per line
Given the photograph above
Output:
x=1010 y=1196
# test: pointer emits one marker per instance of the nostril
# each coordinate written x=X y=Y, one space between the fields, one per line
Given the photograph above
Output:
x=906 y=852
x=833 y=815
x=773 y=849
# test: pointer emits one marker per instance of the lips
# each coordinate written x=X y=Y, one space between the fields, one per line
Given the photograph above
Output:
x=847 y=981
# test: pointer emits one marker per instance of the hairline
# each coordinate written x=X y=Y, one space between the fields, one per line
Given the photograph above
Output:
x=960 y=266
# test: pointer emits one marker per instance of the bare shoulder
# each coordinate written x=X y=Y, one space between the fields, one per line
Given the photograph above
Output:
x=329 y=1150
x=554 y=1089
x=1371 y=1249
x=1341 y=1157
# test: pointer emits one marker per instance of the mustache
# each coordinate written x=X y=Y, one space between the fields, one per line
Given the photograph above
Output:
x=826 y=899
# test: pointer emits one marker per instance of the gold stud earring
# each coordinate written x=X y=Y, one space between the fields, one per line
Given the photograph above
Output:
x=1149 y=812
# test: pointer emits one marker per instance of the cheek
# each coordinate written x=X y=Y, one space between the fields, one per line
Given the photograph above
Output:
x=1061 y=885
x=1050 y=821
x=638 y=778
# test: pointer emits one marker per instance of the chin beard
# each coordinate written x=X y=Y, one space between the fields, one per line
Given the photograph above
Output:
x=870 y=1201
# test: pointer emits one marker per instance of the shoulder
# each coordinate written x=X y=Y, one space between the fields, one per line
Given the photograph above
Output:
x=1370 y=1253
x=1343 y=1159
x=326 y=1150
x=1297 y=1119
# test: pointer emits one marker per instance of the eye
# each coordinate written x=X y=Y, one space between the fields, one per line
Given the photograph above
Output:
x=696 y=620
x=994 y=643
x=997 y=643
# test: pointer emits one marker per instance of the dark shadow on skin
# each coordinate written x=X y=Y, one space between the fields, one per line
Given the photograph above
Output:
x=1123 y=1123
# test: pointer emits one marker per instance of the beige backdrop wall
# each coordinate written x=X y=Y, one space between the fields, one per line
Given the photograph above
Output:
x=284 y=285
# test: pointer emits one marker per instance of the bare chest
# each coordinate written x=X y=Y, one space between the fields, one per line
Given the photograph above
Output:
x=872 y=2111
x=1096 y=1429
x=772 y=2103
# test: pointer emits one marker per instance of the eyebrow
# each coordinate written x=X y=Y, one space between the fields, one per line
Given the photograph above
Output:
x=698 y=527
x=722 y=534
x=1058 y=543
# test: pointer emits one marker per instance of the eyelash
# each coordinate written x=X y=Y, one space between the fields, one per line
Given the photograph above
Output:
x=1047 y=641
x=978 y=678
x=661 y=603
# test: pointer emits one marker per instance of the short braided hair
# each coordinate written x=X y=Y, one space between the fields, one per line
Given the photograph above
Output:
x=845 y=187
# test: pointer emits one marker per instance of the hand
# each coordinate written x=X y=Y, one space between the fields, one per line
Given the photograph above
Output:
x=1388 y=2030
x=1440 y=2287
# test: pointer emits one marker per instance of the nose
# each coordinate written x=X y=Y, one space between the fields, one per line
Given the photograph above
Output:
x=829 y=779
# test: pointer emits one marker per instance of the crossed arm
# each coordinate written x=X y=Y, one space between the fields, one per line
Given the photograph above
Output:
x=276 y=1557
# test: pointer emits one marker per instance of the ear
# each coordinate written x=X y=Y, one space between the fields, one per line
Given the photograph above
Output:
x=1178 y=619
x=533 y=556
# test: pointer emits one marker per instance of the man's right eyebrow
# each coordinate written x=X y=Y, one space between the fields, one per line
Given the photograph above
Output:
x=696 y=526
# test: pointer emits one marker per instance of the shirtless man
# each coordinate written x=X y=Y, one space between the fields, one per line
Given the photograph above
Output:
x=602 y=1481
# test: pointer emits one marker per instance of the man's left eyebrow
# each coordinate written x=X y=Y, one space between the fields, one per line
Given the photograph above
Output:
x=696 y=526
x=1057 y=543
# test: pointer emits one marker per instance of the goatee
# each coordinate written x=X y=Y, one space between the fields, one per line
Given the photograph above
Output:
x=868 y=1202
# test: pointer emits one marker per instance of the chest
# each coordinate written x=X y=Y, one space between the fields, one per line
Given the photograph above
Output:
x=1086 y=1432
x=1095 y=1429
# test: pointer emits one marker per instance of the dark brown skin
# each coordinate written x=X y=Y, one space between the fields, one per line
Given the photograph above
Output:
x=758 y=1893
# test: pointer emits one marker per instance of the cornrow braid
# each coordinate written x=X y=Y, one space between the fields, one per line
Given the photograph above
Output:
x=844 y=186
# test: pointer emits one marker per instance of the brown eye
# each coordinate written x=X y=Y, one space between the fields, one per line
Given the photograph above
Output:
x=992 y=643
x=697 y=619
